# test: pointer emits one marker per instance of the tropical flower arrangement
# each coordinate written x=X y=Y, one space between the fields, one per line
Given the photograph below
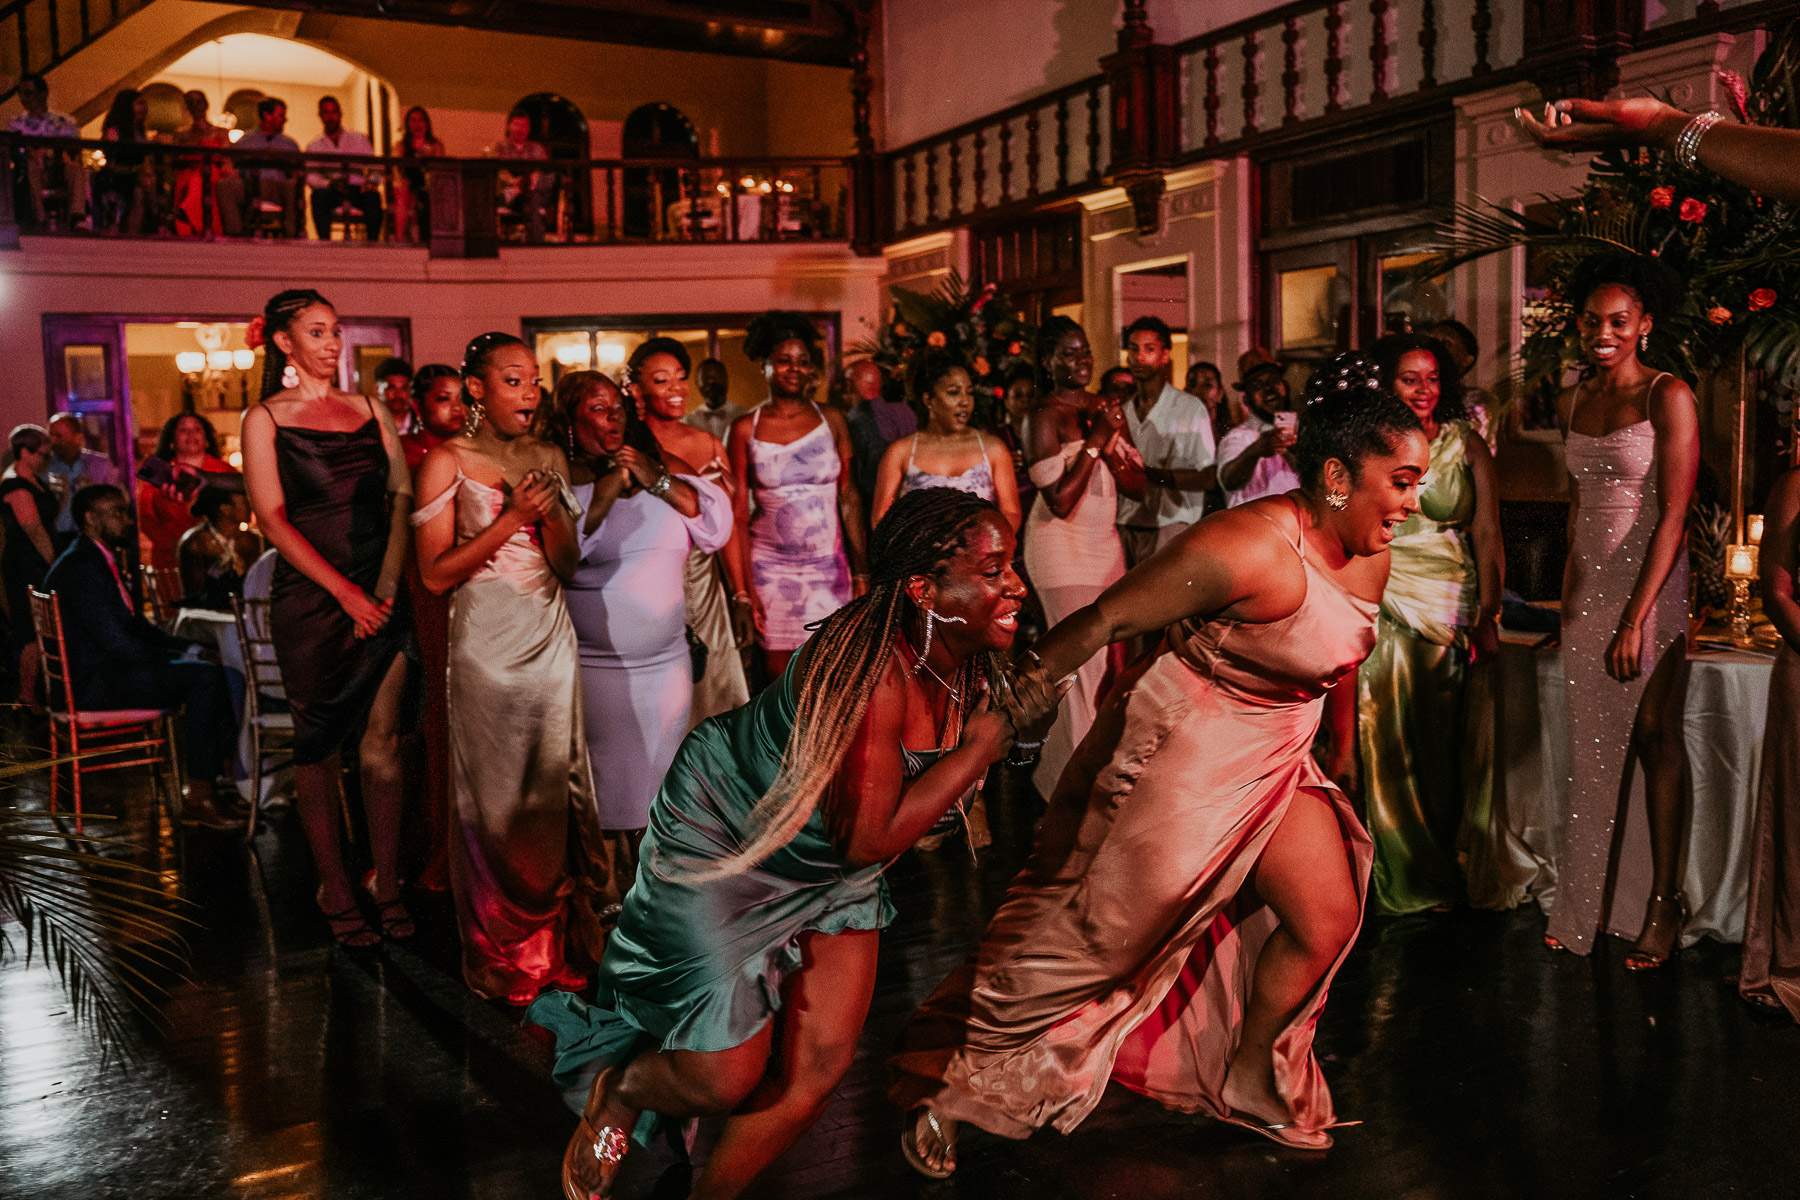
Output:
x=1735 y=253
x=981 y=327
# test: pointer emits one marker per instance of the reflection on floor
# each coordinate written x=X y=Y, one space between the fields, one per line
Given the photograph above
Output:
x=1479 y=1065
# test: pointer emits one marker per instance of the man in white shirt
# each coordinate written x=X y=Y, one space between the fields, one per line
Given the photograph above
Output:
x=337 y=184
x=717 y=412
x=1173 y=432
x=42 y=164
x=1255 y=457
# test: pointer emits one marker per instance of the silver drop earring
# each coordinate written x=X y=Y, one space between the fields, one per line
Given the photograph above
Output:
x=1644 y=343
x=931 y=619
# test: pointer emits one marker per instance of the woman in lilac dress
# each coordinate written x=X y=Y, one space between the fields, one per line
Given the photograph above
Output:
x=947 y=452
x=642 y=511
x=794 y=457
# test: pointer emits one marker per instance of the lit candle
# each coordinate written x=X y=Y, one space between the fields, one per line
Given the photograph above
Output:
x=1753 y=528
x=1740 y=562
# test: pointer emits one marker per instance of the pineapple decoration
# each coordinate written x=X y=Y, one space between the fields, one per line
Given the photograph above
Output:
x=1709 y=532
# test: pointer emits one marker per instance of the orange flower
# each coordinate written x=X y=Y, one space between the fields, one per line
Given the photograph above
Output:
x=1761 y=298
x=936 y=339
x=981 y=366
x=1662 y=197
x=1016 y=348
x=900 y=329
x=1692 y=209
x=1718 y=316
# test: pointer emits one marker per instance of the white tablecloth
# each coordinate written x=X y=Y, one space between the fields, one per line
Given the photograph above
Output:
x=1727 y=706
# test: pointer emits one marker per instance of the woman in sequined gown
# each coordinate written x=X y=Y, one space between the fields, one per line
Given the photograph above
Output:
x=1081 y=459
x=1197 y=879
x=1633 y=448
x=1423 y=700
x=1771 y=974
x=496 y=523
x=807 y=538
x=715 y=584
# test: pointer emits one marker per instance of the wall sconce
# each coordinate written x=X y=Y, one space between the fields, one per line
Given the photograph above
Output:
x=573 y=354
x=243 y=360
x=1740 y=568
x=612 y=354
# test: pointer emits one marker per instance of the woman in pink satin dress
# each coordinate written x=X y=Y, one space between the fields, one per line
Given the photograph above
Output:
x=1197 y=879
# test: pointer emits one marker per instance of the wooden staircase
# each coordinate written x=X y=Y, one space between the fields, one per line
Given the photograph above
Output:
x=36 y=35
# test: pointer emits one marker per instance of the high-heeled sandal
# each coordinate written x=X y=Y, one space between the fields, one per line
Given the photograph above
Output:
x=606 y=1145
x=909 y=1144
x=355 y=937
x=1282 y=1133
x=393 y=928
x=1644 y=960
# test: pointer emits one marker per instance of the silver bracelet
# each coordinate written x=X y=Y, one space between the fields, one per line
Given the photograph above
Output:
x=661 y=487
x=1687 y=144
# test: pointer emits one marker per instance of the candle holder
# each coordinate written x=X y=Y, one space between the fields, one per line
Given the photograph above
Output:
x=1740 y=568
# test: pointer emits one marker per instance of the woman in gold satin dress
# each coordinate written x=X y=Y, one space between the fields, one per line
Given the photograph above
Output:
x=1197 y=878
x=1424 y=704
x=497 y=524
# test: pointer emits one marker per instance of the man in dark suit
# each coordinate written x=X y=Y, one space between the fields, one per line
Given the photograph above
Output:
x=117 y=659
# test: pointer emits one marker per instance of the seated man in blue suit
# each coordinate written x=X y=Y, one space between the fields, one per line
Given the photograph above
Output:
x=117 y=659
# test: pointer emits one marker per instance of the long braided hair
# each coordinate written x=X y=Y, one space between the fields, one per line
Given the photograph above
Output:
x=846 y=659
x=277 y=315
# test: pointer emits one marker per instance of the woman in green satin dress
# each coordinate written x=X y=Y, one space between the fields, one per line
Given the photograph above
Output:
x=748 y=940
x=1424 y=704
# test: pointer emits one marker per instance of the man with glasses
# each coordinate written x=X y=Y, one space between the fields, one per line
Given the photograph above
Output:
x=46 y=168
x=1256 y=457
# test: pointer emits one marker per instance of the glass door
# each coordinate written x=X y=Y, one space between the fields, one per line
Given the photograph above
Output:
x=86 y=375
x=369 y=342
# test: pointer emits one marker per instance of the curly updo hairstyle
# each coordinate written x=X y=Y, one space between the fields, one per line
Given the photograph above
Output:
x=838 y=670
x=1388 y=352
x=1351 y=418
x=932 y=368
x=654 y=346
x=1656 y=287
x=777 y=326
x=278 y=316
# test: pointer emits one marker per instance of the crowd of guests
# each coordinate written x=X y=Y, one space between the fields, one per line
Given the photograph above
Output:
x=623 y=569
x=135 y=191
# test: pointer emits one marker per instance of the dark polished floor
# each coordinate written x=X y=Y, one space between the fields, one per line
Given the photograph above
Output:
x=1479 y=1065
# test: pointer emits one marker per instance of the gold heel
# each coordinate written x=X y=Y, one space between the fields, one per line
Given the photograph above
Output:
x=1644 y=960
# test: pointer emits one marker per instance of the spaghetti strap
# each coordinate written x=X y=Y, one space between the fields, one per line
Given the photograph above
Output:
x=980 y=442
x=912 y=454
x=1298 y=543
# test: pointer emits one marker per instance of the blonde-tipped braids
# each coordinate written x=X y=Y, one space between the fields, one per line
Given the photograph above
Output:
x=845 y=661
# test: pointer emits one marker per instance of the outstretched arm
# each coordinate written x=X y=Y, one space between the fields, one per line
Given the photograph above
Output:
x=1766 y=160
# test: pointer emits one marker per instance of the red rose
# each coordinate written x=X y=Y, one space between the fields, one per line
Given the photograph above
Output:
x=1718 y=315
x=999 y=393
x=1761 y=298
x=1662 y=197
x=1016 y=348
x=253 y=333
x=1692 y=209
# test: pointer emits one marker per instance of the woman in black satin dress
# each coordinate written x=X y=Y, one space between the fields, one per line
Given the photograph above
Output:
x=328 y=480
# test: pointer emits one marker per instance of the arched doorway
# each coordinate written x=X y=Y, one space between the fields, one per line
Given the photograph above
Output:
x=654 y=131
x=167 y=109
x=558 y=126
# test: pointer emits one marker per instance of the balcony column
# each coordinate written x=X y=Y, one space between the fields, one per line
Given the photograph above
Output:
x=463 y=223
x=1572 y=47
x=866 y=167
x=1146 y=119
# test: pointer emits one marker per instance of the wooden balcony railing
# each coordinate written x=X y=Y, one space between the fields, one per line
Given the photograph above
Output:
x=458 y=207
x=1052 y=146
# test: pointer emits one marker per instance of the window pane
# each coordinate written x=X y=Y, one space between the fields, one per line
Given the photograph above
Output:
x=1408 y=304
x=85 y=369
x=1308 y=309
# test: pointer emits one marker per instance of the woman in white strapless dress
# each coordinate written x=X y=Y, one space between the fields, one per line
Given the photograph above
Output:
x=1081 y=459
x=1633 y=448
